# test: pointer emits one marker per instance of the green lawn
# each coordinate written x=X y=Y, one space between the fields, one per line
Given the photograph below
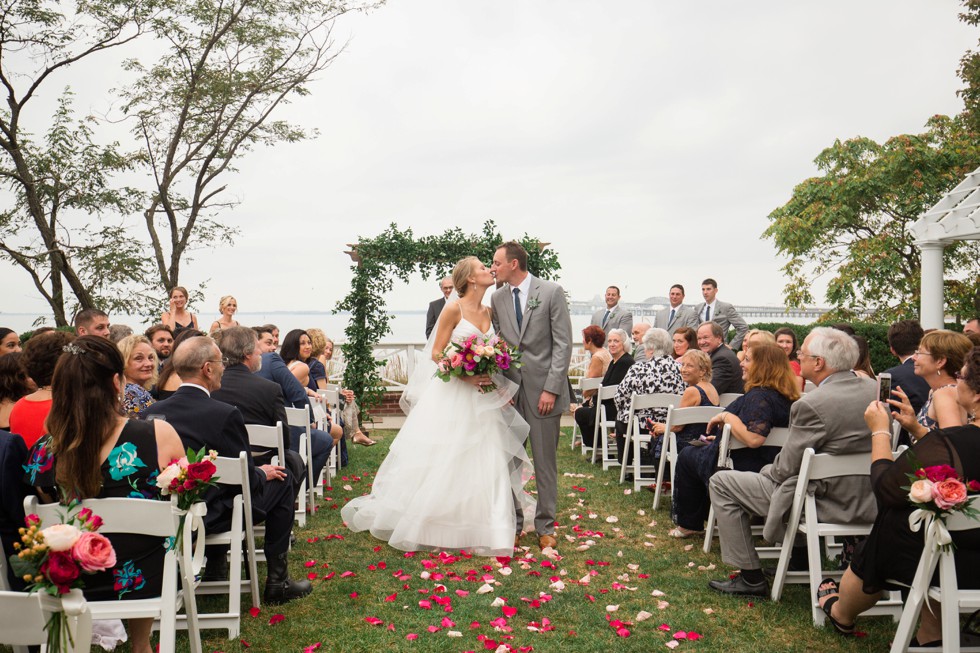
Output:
x=369 y=597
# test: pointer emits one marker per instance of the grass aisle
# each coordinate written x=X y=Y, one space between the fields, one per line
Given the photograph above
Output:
x=369 y=597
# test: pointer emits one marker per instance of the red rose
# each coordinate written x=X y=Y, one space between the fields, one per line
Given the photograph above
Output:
x=60 y=569
x=201 y=471
x=189 y=485
x=974 y=486
x=938 y=473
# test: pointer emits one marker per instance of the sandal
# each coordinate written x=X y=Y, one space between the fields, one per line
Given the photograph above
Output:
x=366 y=441
x=833 y=592
x=683 y=533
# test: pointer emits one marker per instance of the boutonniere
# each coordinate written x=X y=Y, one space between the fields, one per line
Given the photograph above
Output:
x=533 y=303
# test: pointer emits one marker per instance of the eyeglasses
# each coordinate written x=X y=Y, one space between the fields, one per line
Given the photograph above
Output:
x=921 y=353
x=223 y=361
x=800 y=352
x=959 y=376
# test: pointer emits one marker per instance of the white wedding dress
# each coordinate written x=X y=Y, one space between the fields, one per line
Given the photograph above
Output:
x=450 y=480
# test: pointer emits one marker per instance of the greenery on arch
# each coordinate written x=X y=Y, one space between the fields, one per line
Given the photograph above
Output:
x=395 y=254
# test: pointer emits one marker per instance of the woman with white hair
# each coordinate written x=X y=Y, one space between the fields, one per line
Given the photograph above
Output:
x=657 y=374
x=617 y=343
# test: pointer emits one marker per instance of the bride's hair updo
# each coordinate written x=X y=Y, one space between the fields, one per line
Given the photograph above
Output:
x=462 y=272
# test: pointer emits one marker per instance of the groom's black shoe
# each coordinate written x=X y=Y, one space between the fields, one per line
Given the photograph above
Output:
x=741 y=587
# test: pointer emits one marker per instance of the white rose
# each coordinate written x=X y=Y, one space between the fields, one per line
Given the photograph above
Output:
x=166 y=476
x=921 y=491
x=60 y=537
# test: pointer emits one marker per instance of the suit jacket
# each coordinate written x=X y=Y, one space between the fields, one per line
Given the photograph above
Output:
x=13 y=455
x=274 y=369
x=619 y=318
x=829 y=419
x=913 y=385
x=259 y=400
x=432 y=316
x=683 y=316
x=726 y=316
x=544 y=340
x=201 y=421
x=726 y=371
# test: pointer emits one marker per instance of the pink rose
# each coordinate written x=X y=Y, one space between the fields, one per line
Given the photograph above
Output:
x=94 y=552
x=32 y=520
x=974 y=486
x=949 y=493
x=921 y=491
x=60 y=569
x=94 y=523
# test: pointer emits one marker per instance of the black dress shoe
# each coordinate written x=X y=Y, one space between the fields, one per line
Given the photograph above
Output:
x=740 y=587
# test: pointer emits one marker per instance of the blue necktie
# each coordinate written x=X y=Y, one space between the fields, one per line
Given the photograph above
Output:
x=517 y=307
x=707 y=313
x=605 y=318
x=670 y=320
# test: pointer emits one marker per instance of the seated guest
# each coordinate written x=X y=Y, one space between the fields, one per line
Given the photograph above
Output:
x=656 y=374
x=274 y=369
x=828 y=420
x=201 y=421
x=178 y=317
x=350 y=419
x=13 y=456
x=227 y=306
x=639 y=351
x=259 y=400
x=9 y=341
x=890 y=555
x=593 y=339
x=786 y=339
x=139 y=375
x=92 y=451
x=92 y=322
x=770 y=391
x=40 y=355
x=939 y=358
x=295 y=352
x=168 y=381
x=725 y=372
x=863 y=366
x=619 y=365
x=14 y=384
x=696 y=373
x=904 y=337
x=119 y=331
x=162 y=340
x=754 y=335
x=685 y=338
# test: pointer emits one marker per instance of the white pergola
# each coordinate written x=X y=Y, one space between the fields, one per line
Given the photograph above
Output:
x=955 y=217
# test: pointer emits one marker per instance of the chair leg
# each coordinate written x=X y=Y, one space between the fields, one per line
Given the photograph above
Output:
x=709 y=530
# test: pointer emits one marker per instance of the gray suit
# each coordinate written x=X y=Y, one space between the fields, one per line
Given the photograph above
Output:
x=619 y=318
x=545 y=342
x=726 y=316
x=683 y=316
x=830 y=419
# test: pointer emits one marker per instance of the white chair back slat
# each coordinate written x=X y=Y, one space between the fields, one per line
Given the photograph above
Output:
x=726 y=398
x=634 y=437
x=669 y=449
x=603 y=424
x=23 y=617
x=300 y=418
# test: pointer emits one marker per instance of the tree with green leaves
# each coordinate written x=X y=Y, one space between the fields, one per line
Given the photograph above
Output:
x=851 y=223
x=396 y=254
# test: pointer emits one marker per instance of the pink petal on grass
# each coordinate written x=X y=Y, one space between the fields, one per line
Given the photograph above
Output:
x=276 y=618
x=508 y=611
x=425 y=605
x=391 y=597
x=412 y=637
x=254 y=612
x=374 y=621
x=311 y=648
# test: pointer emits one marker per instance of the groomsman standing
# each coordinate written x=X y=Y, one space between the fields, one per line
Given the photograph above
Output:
x=721 y=313
x=612 y=316
x=436 y=306
x=676 y=315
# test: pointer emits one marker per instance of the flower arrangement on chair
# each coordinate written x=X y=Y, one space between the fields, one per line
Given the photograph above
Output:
x=187 y=479
x=937 y=492
x=477 y=355
x=52 y=560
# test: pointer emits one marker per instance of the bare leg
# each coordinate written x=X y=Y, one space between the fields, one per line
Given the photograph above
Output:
x=139 y=635
x=852 y=599
x=930 y=627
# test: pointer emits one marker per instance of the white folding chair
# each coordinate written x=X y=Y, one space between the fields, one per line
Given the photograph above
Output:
x=815 y=467
x=725 y=399
x=634 y=438
x=668 y=451
x=952 y=599
x=23 y=617
x=143 y=517
x=583 y=384
x=331 y=397
x=300 y=418
x=264 y=437
x=604 y=425
x=778 y=436
x=232 y=472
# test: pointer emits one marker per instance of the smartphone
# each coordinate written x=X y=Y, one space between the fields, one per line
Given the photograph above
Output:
x=884 y=387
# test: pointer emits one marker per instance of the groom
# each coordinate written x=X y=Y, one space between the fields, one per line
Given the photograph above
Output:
x=532 y=315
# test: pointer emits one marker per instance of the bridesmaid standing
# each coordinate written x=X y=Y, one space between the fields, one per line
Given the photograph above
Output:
x=178 y=318
x=228 y=306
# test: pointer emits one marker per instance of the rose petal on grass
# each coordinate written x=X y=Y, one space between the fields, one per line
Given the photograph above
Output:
x=484 y=589
x=643 y=615
x=672 y=644
x=276 y=618
x=311 y=648
x=391 y=597
x=612 y=608
x=374 y=621
x=498 y=602
x=708 y=611
x=254 y=612
x=612 y=519
x=412 y=637
x=509 y=611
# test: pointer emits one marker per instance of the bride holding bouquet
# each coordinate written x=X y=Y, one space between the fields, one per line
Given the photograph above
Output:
x=458 y=465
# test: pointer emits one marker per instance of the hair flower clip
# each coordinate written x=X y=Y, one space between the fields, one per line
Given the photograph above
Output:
x=73 y=349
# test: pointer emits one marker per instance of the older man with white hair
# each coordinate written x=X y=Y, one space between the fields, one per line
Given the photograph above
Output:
x=829 y=419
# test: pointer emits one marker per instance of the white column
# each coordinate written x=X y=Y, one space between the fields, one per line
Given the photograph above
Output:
x=931 y=313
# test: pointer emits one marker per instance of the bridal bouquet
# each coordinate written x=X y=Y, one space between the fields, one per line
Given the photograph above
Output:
x=187 y=479
x=937 y=492
x=52 y=560
x=477 y=355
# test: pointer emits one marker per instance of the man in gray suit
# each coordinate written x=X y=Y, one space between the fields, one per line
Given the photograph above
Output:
x=532 y=314
x=612 y=316
x=829 y=419
x=676 y=315
x=714 y=310
x=436 y=306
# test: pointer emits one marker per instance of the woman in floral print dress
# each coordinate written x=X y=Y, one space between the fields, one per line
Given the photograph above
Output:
x=70 y=462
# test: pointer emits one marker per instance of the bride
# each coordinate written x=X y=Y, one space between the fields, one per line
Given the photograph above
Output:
x=457 y=466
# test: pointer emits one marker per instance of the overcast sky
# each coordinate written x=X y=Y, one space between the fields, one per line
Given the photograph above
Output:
x=646 y=140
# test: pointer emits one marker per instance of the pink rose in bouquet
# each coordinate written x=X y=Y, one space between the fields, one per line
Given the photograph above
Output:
x=949 y=494
x=94 y=552
x=476 y=355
